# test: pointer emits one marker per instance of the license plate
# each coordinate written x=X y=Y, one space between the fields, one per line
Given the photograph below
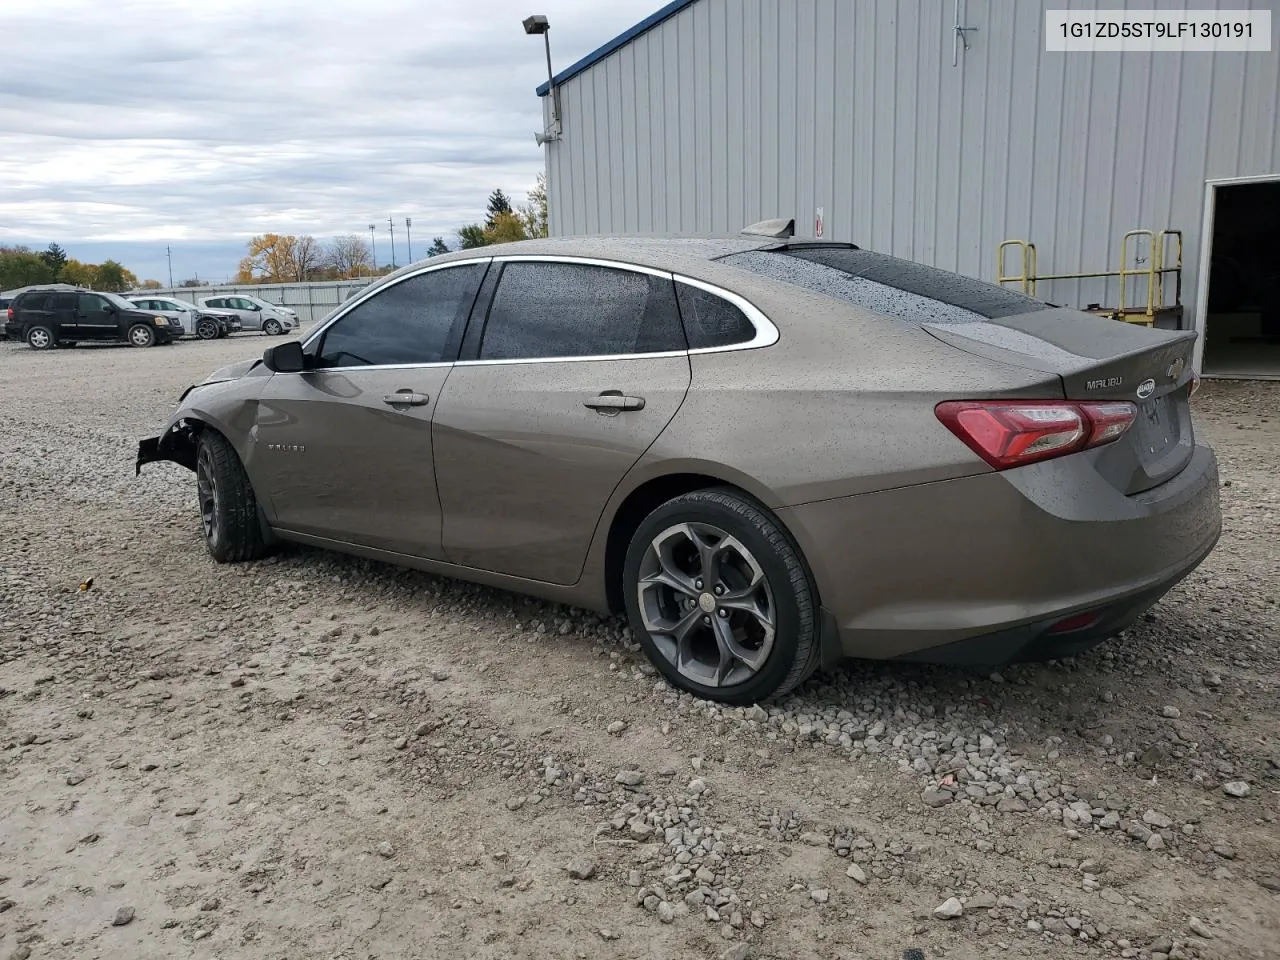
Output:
x=1157 y=426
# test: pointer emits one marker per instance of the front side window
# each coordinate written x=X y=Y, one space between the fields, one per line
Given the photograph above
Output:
x=241 y=303
x=551 y=309
x=418 y=320
x=91 y=304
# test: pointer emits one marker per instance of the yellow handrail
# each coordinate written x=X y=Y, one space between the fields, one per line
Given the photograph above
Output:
x=1028 y=275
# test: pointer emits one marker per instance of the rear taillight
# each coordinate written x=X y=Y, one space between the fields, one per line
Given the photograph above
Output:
x=8 y=314
x=1010 y=433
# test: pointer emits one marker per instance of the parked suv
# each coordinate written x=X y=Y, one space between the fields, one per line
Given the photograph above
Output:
x=4 y=311
x=48 y=318
x=205 y=324
x=254 y=313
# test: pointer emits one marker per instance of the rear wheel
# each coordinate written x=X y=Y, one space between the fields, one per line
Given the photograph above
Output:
x=208 y=330
x=228 y=507
x=272 y=328
x=39 y=338
x=719 y=598
x=141 y=335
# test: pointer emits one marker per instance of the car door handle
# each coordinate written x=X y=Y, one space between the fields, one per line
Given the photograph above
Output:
x=612 y=401
x=406 y=398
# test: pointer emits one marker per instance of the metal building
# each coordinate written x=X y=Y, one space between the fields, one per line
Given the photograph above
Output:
x=934 y=130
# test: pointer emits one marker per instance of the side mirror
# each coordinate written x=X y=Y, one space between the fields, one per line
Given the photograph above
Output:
x=285 y=357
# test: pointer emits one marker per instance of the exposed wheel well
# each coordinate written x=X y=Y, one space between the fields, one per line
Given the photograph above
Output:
x=641 y=502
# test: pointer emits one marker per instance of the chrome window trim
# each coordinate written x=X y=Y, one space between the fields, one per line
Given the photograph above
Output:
x=374 y=289
x=766 y=334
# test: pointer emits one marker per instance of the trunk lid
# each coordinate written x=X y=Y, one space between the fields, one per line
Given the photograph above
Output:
x=1100 y=359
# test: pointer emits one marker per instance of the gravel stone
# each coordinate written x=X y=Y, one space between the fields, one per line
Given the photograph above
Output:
x=581 y=869
x=1236 y=788
x=1199 y=928
x=123 y=917
x=949 y=909
x=857 y=874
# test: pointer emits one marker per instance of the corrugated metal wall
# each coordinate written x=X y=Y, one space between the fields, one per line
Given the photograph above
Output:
x=734 y=111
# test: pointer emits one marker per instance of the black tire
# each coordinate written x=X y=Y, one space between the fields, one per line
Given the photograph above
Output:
x=228 y=509
x=272 y=328
x=141 y=335
x=793 y=599
x=208 y=330
x=39 y=337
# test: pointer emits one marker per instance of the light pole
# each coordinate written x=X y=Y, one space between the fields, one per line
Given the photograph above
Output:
x=408 y=225
x=391 y=225
x=373 y=242
x=168 y=254
x=538 y=24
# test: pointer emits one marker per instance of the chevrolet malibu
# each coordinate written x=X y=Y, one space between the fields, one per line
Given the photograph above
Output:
x=769 y=453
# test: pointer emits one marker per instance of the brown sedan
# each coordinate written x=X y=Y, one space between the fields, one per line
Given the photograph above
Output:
x=770 y=453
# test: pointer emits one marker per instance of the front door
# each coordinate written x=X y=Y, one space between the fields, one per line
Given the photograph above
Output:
x=95 y=318
x=344 y=450
x=66 y=324
x=580 y=367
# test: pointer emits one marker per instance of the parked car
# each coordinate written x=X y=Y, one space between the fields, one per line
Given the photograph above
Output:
x=63 y=318
x=205 y=324
x=4 y=310
x=770 y=453
x=254 y=314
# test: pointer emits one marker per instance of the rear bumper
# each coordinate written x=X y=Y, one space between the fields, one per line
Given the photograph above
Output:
x=979 y=569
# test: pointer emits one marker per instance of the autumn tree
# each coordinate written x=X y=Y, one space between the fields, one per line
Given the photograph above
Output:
x=79 y=274
x=22 y=267
x=506 y=227
x=113 y=277
x=270 y=259
x=348 y=256
x=307 y=258
x=438 y=246
x=151 y=285
x=534 y=213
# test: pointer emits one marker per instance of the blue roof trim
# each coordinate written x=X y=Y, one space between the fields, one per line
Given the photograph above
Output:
x=621 y=40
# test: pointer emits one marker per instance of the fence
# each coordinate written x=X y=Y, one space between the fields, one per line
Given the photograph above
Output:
x=311 y=301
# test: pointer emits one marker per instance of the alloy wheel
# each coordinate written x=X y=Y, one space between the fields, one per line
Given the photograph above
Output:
x=140 y=336
x=707 y=604
x=207 y=491
x=39 y=338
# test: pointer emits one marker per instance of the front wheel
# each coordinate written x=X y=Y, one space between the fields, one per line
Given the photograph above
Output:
x=141 y=335
x=228 y=507
x=719 y=598
x=39 y=338
x=207 y=330
x=272 y=328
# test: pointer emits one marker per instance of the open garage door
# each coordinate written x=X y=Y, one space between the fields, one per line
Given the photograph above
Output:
x=1240 y=303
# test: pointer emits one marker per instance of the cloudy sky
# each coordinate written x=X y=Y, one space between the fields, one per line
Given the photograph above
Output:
x=129 y=125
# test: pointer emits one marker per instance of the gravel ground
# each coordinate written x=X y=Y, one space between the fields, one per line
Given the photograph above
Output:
x=318 y=756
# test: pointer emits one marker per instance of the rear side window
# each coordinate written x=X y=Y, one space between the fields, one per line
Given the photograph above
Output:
x=887 y=285
x=418 y=320
x=546 y=310
x=710 y=320
x=36 y=301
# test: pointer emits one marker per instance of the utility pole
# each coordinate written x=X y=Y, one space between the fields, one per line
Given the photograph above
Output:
x=169 y=256
x=408 y=224
x=391 y=225
x=373 y=241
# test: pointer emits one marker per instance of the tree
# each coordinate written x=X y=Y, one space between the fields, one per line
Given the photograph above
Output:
x=472 y=236
x=151 y=285
x=534 y=213
x=438 y=246
x=498 y=204
x=79 y=274
x=306 y=259
x=21 y=267
x=270 y=260
x=55 y=257
x=113 y=277
x=506 y=228
x=349 y=256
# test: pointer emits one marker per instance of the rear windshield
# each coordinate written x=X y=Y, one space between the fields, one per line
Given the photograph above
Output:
x=887 y=285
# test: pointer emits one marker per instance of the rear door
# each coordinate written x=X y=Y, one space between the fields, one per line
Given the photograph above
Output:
x=63 y=314
x=579 y=367
x=343 y=450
